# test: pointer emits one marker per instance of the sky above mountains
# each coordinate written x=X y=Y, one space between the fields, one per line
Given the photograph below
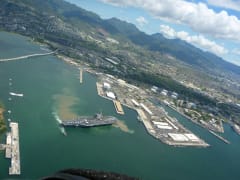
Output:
x=212 y=25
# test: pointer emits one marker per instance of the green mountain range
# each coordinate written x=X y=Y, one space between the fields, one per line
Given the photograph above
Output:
x=177 y=48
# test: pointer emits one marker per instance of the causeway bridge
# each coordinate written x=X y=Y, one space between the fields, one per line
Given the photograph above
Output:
x=27 y=56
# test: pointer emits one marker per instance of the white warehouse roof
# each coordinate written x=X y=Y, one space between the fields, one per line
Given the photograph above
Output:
x=111 y=95
x=106 y=85
x=178 y=137
x=192 y=137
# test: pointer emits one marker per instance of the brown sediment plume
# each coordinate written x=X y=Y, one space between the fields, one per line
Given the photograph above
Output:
x=121 y=125
x=64 y=104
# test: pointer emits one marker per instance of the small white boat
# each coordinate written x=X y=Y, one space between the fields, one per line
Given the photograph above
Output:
x=16 y=94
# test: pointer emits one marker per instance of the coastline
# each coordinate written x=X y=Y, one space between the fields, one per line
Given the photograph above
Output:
x=149 y=130
x=195 y=122
x=201 y=125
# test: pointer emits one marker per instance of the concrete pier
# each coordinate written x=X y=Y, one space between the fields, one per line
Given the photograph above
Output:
x=118 y=107
x=219 y=137
x=12 y=149
x=99 y=89
x=81 y=75
x=8 y=150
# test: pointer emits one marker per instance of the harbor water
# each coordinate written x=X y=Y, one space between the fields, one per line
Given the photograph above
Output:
x=52 y=92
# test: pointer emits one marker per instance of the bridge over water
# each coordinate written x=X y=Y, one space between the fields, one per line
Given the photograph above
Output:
x=27 y=56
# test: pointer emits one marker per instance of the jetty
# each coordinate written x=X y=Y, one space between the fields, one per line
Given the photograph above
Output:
x=12 y=149
x=81 y=75
x=27 y=56
x=118 y=107
x=220 y=137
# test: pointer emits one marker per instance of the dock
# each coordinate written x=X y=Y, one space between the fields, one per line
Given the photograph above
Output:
x=99 y=89
x=118 y=107
x=220 y=137
x=141 y=114
x=81 y=75
x=145 y=121
x=8 y=149
x=12 y=149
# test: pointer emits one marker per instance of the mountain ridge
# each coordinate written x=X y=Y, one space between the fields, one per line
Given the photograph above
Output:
x=179 y=49
x=182 y=50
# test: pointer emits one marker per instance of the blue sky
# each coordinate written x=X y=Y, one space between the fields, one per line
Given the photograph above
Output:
x=212 y=25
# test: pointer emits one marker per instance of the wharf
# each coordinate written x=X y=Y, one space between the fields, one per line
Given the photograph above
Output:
x=99 y=89
x=12 y=149
x=141 y=114
x=184 y=144
x=118 y=107
x=145 y=121
x=8 y=150
x=81 y=75
x=220 y=137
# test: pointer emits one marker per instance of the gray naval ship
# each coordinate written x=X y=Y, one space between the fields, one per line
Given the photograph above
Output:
x=86 y=121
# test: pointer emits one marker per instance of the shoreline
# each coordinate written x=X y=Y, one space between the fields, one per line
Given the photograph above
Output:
x=195 y=122
x=202 y=126
x=178 y=144
x=3 y=126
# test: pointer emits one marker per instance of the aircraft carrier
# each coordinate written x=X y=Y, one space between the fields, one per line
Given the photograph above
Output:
x=86 y=121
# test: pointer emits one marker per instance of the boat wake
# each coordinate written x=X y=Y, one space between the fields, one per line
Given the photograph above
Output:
x=63 y=131
x=57 y=118
x=59 y=121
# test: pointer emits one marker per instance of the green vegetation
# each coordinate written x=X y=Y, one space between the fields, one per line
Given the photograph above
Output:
x=3 y=126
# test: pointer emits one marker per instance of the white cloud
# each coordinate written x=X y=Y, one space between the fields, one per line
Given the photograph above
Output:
x=141 y=21
x=236 y=51
x=198 y=40
x=228 y=4
x=197 y=16
x=235 y=61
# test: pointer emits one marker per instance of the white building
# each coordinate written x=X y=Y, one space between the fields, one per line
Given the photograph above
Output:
x=154 y=89
x=106 y=85
x=164 y=92
x=174 y=95
x=146 y=109
x=111 y=95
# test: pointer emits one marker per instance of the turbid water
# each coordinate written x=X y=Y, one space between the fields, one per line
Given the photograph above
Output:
x=51 y=89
